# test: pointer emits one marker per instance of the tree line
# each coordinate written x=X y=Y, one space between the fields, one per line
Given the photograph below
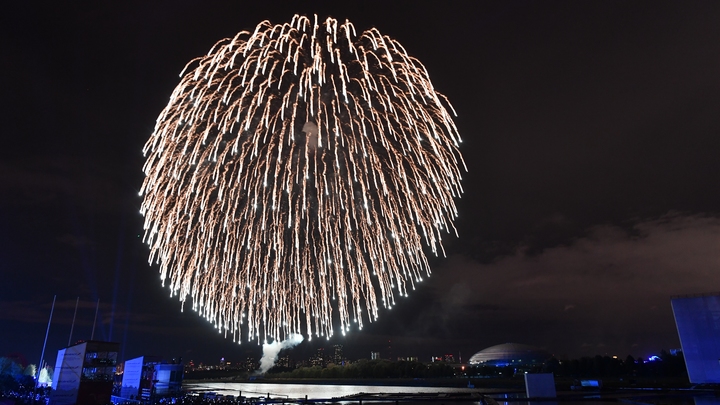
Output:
x=15 y=377
x=368 y=369
x=666 y=366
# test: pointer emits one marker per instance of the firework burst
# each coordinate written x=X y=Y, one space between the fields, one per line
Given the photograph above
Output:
x=295 y=176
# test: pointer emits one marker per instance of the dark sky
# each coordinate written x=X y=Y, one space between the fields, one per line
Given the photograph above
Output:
x=591 y=135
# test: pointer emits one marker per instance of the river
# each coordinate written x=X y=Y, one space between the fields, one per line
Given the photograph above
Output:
x=502 y=396
x=315 y=391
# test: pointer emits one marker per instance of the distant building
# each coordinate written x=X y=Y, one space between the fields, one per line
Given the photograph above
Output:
x=148 y=376
x=84 y=373
x=338 y=357
x=319 y=359
x=250 y=364
x=283 y=361
x=374 y=355
x=510 y=354
x=698 y=324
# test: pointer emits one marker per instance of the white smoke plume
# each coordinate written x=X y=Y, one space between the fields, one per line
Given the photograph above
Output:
x=271 y=351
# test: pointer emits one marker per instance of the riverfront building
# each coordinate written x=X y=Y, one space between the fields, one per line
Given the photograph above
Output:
x=84 y=373
x=697 y=319
x=149 y=376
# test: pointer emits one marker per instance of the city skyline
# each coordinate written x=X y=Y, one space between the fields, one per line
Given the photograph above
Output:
x=589 y=130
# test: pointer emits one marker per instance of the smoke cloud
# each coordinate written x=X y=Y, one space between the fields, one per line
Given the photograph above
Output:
x=271 y=351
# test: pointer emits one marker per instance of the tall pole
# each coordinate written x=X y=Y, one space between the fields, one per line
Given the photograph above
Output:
x=97 y=307
x=42 y=354
x=73 y=322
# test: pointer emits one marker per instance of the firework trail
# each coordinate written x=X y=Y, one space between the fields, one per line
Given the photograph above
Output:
x=295 y=176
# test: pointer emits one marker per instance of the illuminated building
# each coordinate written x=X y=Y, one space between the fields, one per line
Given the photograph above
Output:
x=338 y=357
x=374 y=355
x=148 y=376
x=509 y=354
x=319 y=359
x=698 y=324
x=84 y=373
x=250 y=364
x=448 y=358
x=283 y=361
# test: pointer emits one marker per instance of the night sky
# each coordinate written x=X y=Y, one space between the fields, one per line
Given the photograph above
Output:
x=591 y=134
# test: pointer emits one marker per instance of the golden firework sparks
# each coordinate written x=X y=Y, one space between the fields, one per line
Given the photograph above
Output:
x=295 y=176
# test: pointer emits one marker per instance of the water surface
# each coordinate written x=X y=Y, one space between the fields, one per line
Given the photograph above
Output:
x=316 y=391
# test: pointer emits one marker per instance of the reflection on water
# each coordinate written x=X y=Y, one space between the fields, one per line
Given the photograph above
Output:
x=317 y=391
x=502 y=396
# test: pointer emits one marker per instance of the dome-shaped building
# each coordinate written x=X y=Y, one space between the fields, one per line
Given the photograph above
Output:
x=509 y=354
